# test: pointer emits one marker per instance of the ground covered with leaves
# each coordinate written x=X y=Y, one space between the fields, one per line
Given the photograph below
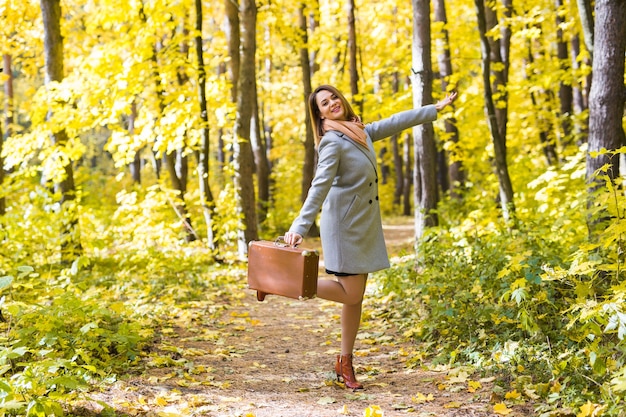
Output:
x=241 y=357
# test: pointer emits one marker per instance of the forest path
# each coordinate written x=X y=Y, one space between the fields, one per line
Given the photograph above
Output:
x=275 y=358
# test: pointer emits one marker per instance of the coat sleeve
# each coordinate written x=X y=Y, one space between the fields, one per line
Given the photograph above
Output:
x=328 y=163
x=400 y=121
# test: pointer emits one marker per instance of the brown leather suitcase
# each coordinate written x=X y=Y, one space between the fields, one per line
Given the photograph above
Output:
x=277 y=268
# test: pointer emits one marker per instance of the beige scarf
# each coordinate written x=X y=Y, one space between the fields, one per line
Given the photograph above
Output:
x=354 y=129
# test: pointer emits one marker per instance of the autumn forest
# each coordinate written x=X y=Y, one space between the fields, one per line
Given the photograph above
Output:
x=145 y=143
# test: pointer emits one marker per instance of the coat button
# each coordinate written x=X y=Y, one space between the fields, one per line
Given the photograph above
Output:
x=376 y=198
x=370 y=201
x=370 y=184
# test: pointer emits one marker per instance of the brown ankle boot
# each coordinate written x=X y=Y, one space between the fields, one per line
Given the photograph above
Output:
x=345 y=371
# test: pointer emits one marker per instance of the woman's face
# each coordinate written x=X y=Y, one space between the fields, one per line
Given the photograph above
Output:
x=330 y=106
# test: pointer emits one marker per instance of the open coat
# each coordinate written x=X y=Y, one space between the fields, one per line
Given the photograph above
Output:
x=345 y=187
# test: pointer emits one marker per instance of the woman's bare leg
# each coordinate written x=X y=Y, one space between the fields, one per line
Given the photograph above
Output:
x=348 y=291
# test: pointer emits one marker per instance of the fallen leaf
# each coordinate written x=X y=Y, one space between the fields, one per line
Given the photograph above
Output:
x=344 y=410
x=530 y=393
x=326 y=400
x=473 y=386
x=160 y=401
x=461 y=377
x=501 y=409
x=420 y=398
x=453 y=404
x=512 y=395
x=590 y=410
x=373 y=411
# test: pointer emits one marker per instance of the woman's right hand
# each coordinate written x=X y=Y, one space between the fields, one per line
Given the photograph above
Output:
x=292 y=238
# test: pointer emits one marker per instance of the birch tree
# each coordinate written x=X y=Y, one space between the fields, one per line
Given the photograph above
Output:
x=425 y=151
x=202 y=154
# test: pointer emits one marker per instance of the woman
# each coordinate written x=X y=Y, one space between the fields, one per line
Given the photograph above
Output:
x=345 y=187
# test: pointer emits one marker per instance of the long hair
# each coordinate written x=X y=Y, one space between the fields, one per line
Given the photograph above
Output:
x=314 y=111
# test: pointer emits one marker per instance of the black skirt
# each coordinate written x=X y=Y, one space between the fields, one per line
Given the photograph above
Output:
x=338 y=274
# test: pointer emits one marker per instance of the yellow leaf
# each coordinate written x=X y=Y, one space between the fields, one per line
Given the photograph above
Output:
x=591 y=410
x=344 y=410
x=473 y=386
x=160 y=401
x=420 y=398
x=501 y=409
x=556 y=387
x=461 y=377
x=585 y=410
x=453 y=404
x=512 y=395
x=373 y=411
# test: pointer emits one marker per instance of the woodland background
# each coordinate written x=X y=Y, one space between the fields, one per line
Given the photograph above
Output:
x=144 y=143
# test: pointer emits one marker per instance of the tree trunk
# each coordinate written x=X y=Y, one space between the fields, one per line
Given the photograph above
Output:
x=585 y=11
x=9 y=115
x=566 y=96
x=543 y=124
x=352 y=58
x=606 y=100
x=408 y=176
x=135 y=166
x=455 y=171
x=502 y=172
x=499 y=63
x=9 y=119
x=53 y=54
x=425 y=151
x=308 y=68
x=202 y=154
x=314 y=22
x=233 y=36
x=2 y=198
x=243 y=159
x=580 y=96
x=173 y=164
x=261 y=162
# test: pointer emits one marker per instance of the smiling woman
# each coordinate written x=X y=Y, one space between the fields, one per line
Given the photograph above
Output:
x=345 y=187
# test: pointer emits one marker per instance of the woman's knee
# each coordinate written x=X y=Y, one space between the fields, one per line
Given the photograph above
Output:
x=354 y=299
x=354 y=286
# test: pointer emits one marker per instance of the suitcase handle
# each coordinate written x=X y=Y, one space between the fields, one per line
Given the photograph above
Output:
x=280 y=241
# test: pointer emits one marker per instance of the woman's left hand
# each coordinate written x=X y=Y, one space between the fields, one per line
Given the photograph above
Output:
x=446 y=101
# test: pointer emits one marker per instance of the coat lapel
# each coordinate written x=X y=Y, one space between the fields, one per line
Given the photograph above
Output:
x=367 y=152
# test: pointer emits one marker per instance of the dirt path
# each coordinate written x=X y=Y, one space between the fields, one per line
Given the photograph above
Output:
x=275 y=358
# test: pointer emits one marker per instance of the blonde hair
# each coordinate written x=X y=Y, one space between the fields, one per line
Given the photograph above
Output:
x=314 y=111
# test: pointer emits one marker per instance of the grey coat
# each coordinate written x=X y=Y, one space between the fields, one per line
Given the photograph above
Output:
x=345 y=187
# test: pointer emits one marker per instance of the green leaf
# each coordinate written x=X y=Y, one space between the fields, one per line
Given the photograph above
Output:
x=5 y=281
x=88 y=327
x=66 y=382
